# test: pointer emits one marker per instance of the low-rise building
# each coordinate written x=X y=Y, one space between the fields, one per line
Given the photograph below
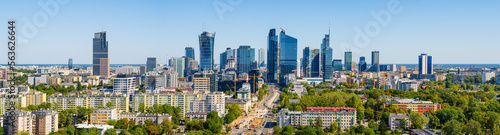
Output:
x=102 y=115
x=345 y=117
x=140 y=118
x=245 y=104
x=90 y=100
x=395 y=120
x=71 y=79
x=415 y=105
x=53 y=81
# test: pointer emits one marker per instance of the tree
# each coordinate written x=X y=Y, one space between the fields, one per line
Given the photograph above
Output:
x=214 y=122
x=23 y=133
x=452 y=127
x=110 y=131
x=142 y=108
x=152 y=129
x=109 y=104
x=417 y=120
x=474 y=128
x=403 y=124
x=277 y=130
x=287 y=130
x=319 y=122
x=229 y=117
x=94 y=131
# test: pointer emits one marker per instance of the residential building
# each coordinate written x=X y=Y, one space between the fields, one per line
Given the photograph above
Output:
x=425 y=64
x=201 y=85
x=244 y=92
x=415 y=105
x=396 y=118
x=37 y=79
x=348 y=61
x=140 y=118
x=71 y=79
x=287 y=55
x=177 y=99
x=150 y=64
x=142 y=70
x=53 y=81
x=215 y=101
x=90 y=100
x=244 y=104
x=273 y=53
x=124 y=84
x=213 y=80
x=22 y=121
x=24 y=99
x=102 y=115
x=190 y=53
x=487 y=76
x=207 y=40
x=101 y=127
x=262 y=56
x=408 y=85
x=45 y=122
x=345 y=117
x=100 y=62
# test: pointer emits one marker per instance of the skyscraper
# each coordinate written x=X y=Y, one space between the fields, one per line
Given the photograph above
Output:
x=310 y=62
x=223 y=59
x=287 y=55
x=337 y=64
x=179 y=65
x=150 y=64
x=261 y=57
x=348 y=61
x=190 y=52
x=207 y=40
x=362 y=64
x=272 y=56
x=328 y=67
x=252 y=55
x=70 y=63
x=244 y=60
x=100 y=61
x=325 y=44
x=375 y=67
x=425 y=64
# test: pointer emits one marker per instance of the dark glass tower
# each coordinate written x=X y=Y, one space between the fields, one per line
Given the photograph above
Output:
x=287 y=55
x=325 y=44
x=310 y=62
x=272 y=56
x=375 y=62
x=100 y=61
x=328 y=67
x=190 y=53
x=70 y=63
x=348 y=61
x=362 y=64
x=223 y=59
x=337 y=64
x=207 y=51
x=243 y=59
x=150 y=64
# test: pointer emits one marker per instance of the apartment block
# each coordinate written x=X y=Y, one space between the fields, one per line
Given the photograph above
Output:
x=415 y=105
x=345 y=117
x=395 y=120
x=177 y=99
x=141 y=118
x=70 y=79
x=102 y=115
x=45 y=122
x=90 y=100
x=53 y=81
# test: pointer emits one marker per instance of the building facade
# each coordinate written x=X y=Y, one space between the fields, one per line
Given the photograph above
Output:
x=244 y=58
x=262 y=57
x=45 y=122
x=100 y=62
x=207 y=40
x=415 y=105
x=90 y=100
x=177 y=99
x=327 y=66
x=287 y=55
x=345 y=117
x=150 y=63
x=273 y=49
x=348 y=61
x=190 y=53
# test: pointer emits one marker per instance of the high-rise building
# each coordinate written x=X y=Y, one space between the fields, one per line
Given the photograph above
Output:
x=223 y=59
x=327 y=66
x=142 y=69
x=261 y=57
x=325 y=44
x=244 y=59
x=337 y=65
x=287 y=55
x=348 y=61
x=311 y=62
x=207 y=40
x=150 y=64
x=100 y=61
x=178 y=99
x=425 y=64
x=179 y=65
x=45 y=122
x=125 y=84
x=272 y=56
x=252 y=55
x=70 y=63
x=362 y=64
x=375 y=67
x=190 y=52
x=21 y=121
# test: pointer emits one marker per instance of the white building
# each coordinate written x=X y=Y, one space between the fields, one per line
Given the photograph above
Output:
x=407 y=85
x=126 y=85
x=487 y=76
x=345 y=117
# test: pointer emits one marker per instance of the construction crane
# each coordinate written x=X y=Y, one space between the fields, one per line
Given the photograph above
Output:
x=254 y=81
x=234 y=86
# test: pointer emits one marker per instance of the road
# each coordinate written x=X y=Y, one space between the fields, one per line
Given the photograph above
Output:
x=261 y=111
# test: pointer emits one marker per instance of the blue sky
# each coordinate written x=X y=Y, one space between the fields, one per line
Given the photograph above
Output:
x=452 y=31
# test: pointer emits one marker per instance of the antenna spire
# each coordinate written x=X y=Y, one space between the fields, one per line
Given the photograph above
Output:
x=203 y=27
x=328 y=27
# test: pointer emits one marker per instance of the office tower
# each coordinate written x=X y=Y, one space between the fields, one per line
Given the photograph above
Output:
x=70 y=63
x=100 y=61
x=337 y=65
x=325 y=44
x=425 y=64
x=362 y=64
x=392 y=67
x=272 y=56
x=142 y=69
x=261 y=57
x=150 y=64
x=187 y=67
x=311 y=61
x=252 y=54
x=207 y=40
x=179 y=65
x=225 y=57
x=45 y=121
x=190 y=52
x=287 y=55
x=375 y=67
x=327 y=66
x=125 y=84
x=244 y=59
x=348 y=61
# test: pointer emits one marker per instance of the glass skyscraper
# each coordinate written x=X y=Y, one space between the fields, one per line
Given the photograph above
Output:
x=272 y=56
x=262 y=56
x=348 y=61
x=190 y=53
x=223 y=59
x=310 y=62
x=337 y=64
x=100 y=61
x=425 y=64
x=206 y=51
x=150 y=64
x=328 y=67
x=362 y=64
x=325 y=44
x=179 y=65
x=70 y=63
x=287 y=55
x=244 y=60
x=375 y=61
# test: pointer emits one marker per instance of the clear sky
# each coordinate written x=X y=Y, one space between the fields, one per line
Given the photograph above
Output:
x=452 y=31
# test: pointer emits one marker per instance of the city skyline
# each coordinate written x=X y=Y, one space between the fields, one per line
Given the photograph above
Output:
x=453 y=33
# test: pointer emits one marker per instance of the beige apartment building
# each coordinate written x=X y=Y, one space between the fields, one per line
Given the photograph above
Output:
x=45 y=122
x=71 y=79
x=91 y=100
x=53 y=81
x=177 y=99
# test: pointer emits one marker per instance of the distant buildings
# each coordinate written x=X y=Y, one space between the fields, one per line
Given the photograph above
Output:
x=337 y=65
x=362 y=64
x=179 y=66
x=90 y=100
x=327 y=66
x=39 y=122
x=310 y=62
x=345 y=117
x=207 y=40
x=272 y=56
x=487 y=76
x=348 y=61
x=150 y=64
x=140 y=118
x=324 y=44
x=396 y=118
x=125 y=84
x=100 y=55
x=190 y=53
x=415 y=105
x=425 y=64
x=287 y=55
x=70 y=63
x=101 y=127
x=177 y=99
x=244 y=58
x=214 y=101
x=375 y=67
x=262 y=57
